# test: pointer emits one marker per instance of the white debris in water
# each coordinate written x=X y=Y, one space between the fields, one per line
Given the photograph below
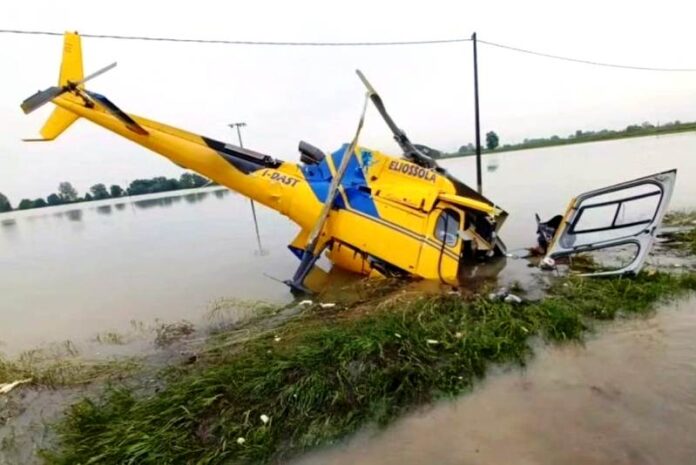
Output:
x=548 y=263
x=276 y=339
x=241 y=440
x=458 y=335
x=512 y=298
x=327 y=305
x=305 y=302
x=432 y=341
x=7 y=387
x=397 y=335
x=265 y=419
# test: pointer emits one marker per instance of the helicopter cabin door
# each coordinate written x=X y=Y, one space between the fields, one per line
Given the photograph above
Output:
x=620 y=219
x=439 y=258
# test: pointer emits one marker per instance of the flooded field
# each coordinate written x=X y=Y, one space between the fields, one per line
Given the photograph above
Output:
x=73 y=271
x=628 y=396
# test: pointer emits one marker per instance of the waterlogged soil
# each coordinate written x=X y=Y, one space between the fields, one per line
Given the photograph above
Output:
x=626 y=396
x=28 y=412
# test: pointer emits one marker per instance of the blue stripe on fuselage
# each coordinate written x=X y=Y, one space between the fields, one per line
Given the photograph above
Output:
x=354 y=183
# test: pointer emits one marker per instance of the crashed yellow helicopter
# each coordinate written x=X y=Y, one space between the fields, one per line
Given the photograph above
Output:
x=371 y=213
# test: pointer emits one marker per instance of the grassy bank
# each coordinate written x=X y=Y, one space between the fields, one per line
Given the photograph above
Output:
x=333 y=371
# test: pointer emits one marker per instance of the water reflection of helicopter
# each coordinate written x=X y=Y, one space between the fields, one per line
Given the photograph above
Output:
x=492 y=164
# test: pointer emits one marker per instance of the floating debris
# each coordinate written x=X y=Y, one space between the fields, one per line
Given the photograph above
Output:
x=7 y=387
x=305 y=302
x=432 y=341
x=327 y=305
x=241 y=441
x=512 y=298
x=265 y=419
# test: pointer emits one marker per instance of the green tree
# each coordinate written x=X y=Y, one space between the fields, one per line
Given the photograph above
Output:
x=88 y=198
x=99 y=192
x=5 y=205
x=25 y=204
x=54 y=200
x=39 y=203
x=116 y=191
x=67 y=192
x=492 y=140
x=191 y=180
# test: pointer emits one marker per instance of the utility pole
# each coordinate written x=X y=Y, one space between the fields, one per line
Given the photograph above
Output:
x=479 y=184
x=253 y=207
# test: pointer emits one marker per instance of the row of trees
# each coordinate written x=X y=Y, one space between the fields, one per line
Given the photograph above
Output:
x=645 y=128
x=492 y=143
x=68 y=194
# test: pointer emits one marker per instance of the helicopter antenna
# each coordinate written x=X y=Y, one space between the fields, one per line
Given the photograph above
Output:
x=261 y=250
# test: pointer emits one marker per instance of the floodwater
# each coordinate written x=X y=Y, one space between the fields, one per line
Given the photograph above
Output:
x=71 y=272
x=627 y=397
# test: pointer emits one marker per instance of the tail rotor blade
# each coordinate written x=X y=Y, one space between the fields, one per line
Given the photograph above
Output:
x=41 y=98
x=96 y=73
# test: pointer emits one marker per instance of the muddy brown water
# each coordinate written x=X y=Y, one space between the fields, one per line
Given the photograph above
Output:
x=70 y=272
x=628 y=396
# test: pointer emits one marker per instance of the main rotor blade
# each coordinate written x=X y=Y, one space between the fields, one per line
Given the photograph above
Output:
x=96 y=73
x=379 y=104
x=410 y=151
x=335 y=184
x=41 y=98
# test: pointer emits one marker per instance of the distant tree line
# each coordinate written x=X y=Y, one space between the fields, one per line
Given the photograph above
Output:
x=68 y=194
x=645 y=129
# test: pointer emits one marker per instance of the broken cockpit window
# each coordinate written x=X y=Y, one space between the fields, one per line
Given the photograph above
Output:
x=447 y=227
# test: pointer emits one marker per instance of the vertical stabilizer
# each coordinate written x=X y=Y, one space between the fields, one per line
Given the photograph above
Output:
x=71 y=67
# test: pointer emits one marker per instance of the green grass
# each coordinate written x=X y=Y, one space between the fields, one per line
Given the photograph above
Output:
x=320 y=378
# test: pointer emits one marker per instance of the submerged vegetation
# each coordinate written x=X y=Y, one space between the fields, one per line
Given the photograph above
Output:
x=686 y=239
x=333 y=370
x=60 y=366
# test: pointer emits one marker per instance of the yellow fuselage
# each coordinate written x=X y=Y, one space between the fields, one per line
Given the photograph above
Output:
x=387 y=208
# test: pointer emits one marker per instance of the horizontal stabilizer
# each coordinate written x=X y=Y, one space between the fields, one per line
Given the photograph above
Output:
x=59 y=121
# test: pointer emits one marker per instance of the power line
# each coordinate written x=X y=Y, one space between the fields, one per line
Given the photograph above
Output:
x=243 y=42
x=586 y=62
x=352 y=44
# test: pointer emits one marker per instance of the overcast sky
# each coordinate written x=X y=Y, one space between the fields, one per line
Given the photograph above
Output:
x=286 y=94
